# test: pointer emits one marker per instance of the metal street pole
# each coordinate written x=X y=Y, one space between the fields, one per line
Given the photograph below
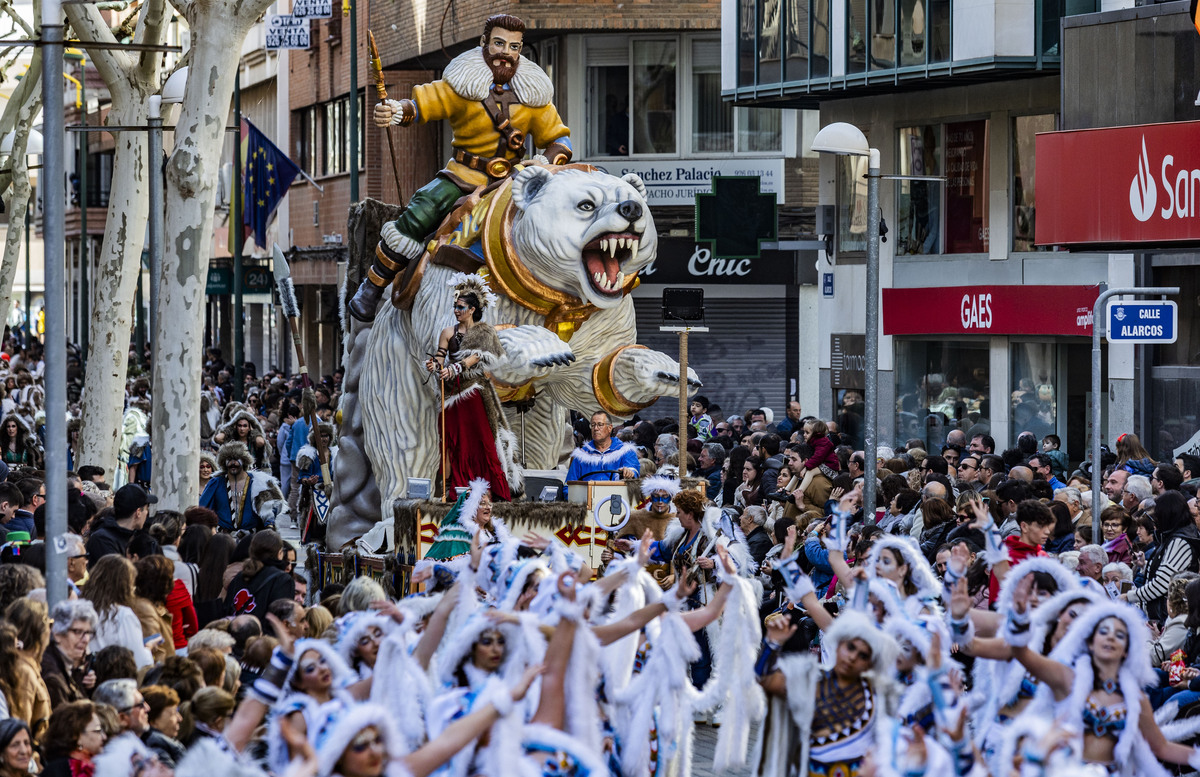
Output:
x=1098 y=324
x=84 y=290
x=29 y=322
x=154 y=141
x=683 y=399
x=354 y=117
x=871 y=398
x=55 y=305
x=239 y=331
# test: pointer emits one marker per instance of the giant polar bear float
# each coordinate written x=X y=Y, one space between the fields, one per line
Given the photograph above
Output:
x=561 y=247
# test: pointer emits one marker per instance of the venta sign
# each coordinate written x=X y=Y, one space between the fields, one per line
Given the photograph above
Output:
x=1120 y=185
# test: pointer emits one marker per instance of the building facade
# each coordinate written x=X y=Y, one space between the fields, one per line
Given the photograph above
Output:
x=639 y=84
x=981 y=327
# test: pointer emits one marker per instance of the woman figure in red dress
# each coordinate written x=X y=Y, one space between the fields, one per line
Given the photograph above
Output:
x=477 y=441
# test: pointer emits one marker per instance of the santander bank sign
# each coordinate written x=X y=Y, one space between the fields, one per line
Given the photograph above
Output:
x=1119 y=186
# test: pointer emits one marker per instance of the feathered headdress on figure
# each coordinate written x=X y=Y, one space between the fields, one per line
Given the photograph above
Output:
x=919 y=572
x=660 y=483
x=469 y=283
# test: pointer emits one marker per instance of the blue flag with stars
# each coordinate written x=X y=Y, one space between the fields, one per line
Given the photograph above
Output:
x=269 y=173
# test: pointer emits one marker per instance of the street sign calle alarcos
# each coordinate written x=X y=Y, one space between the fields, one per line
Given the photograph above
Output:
x=1144 y=321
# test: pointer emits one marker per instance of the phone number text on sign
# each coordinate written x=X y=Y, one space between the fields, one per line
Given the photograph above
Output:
x=287 y=32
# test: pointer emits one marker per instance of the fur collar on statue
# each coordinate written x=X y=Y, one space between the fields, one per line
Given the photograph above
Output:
x=471 y=78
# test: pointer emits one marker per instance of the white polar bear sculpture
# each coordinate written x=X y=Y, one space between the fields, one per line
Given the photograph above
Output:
x=561 y=249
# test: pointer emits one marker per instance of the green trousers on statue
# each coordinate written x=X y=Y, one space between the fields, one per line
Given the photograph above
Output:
x=428 y=206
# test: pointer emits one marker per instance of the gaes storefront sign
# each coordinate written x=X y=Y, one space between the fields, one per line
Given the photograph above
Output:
x=678 y=181
x=684 y=261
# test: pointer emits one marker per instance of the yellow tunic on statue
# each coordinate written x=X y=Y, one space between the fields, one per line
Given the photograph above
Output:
x=457 y=98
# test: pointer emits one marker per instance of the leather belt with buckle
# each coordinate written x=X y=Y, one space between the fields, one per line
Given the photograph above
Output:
x=496 y=168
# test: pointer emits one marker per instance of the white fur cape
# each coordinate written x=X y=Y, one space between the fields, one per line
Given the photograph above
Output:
x=470 y=77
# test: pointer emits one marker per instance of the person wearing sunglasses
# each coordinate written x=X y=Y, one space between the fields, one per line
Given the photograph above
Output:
x=472 y=426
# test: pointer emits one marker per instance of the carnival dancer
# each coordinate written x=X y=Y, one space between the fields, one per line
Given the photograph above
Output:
x=241 y=497
x=653 y=702
x=823 y=719
x=895 y=559
x=245 y=427
x=689 y=547
x=314 y=495
x=603 y=457
x=1003 y=689
x=469 y=515
x=476 y=440
x=494 y=99
x=135 y=422
x=1096 y=675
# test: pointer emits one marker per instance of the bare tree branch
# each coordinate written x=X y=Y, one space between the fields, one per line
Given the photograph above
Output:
x=152 y=29
x=11 y=12
x=90 y=26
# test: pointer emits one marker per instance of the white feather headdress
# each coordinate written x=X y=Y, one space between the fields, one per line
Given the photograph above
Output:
x=469 y=283
x=919 y=572
x=660 y=483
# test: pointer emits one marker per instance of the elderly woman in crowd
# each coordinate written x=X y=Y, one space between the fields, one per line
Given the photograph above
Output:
x=75 y=737
x=65 y=663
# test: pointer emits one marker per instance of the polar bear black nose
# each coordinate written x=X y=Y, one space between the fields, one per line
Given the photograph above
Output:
x=630 y=210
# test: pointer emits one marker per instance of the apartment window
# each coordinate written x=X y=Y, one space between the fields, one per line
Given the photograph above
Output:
x=919 y=203
x=952 y=218
x=655 y=66
x=856 y=36
x=712 y=117
x=306 y=151
x=1024 y=169
x=851 y=204
x=322 y=144
x=676 y=85
x=747 y=29
x=769 y=60
x=100 y=173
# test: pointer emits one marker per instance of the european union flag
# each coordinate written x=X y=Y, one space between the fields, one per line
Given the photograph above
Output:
x=269 y=173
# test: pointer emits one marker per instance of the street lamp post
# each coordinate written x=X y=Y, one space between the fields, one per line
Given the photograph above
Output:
x=844 y=139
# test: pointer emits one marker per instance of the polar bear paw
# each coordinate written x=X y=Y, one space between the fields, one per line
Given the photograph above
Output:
x=642 y=375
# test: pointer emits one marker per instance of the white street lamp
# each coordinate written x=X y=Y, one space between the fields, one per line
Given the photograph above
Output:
x=33 y=146
x=845 y=139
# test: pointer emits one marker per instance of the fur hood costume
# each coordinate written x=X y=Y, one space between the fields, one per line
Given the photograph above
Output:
x=920 y=574
x=1131 y=754
x=802 y=673
x=228 y=433
x=458 y=527
x=335 y=738
x=470 y=77
x=308 y=457
x=265 y=502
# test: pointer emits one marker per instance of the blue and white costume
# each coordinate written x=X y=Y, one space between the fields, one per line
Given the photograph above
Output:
x=589 y=463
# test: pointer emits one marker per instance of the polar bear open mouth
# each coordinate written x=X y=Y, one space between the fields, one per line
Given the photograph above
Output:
x=603 y=258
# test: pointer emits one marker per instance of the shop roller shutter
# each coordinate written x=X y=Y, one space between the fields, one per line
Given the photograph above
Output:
x=742 y=359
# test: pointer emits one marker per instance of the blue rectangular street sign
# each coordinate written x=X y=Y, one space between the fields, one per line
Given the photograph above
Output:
x=827 y=285
x=1142 y=322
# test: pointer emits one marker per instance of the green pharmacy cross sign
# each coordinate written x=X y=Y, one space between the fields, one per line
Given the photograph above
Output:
x=737 y=217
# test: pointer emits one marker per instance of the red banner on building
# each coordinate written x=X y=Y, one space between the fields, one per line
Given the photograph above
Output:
x=990 y=310
x=1120 y=185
